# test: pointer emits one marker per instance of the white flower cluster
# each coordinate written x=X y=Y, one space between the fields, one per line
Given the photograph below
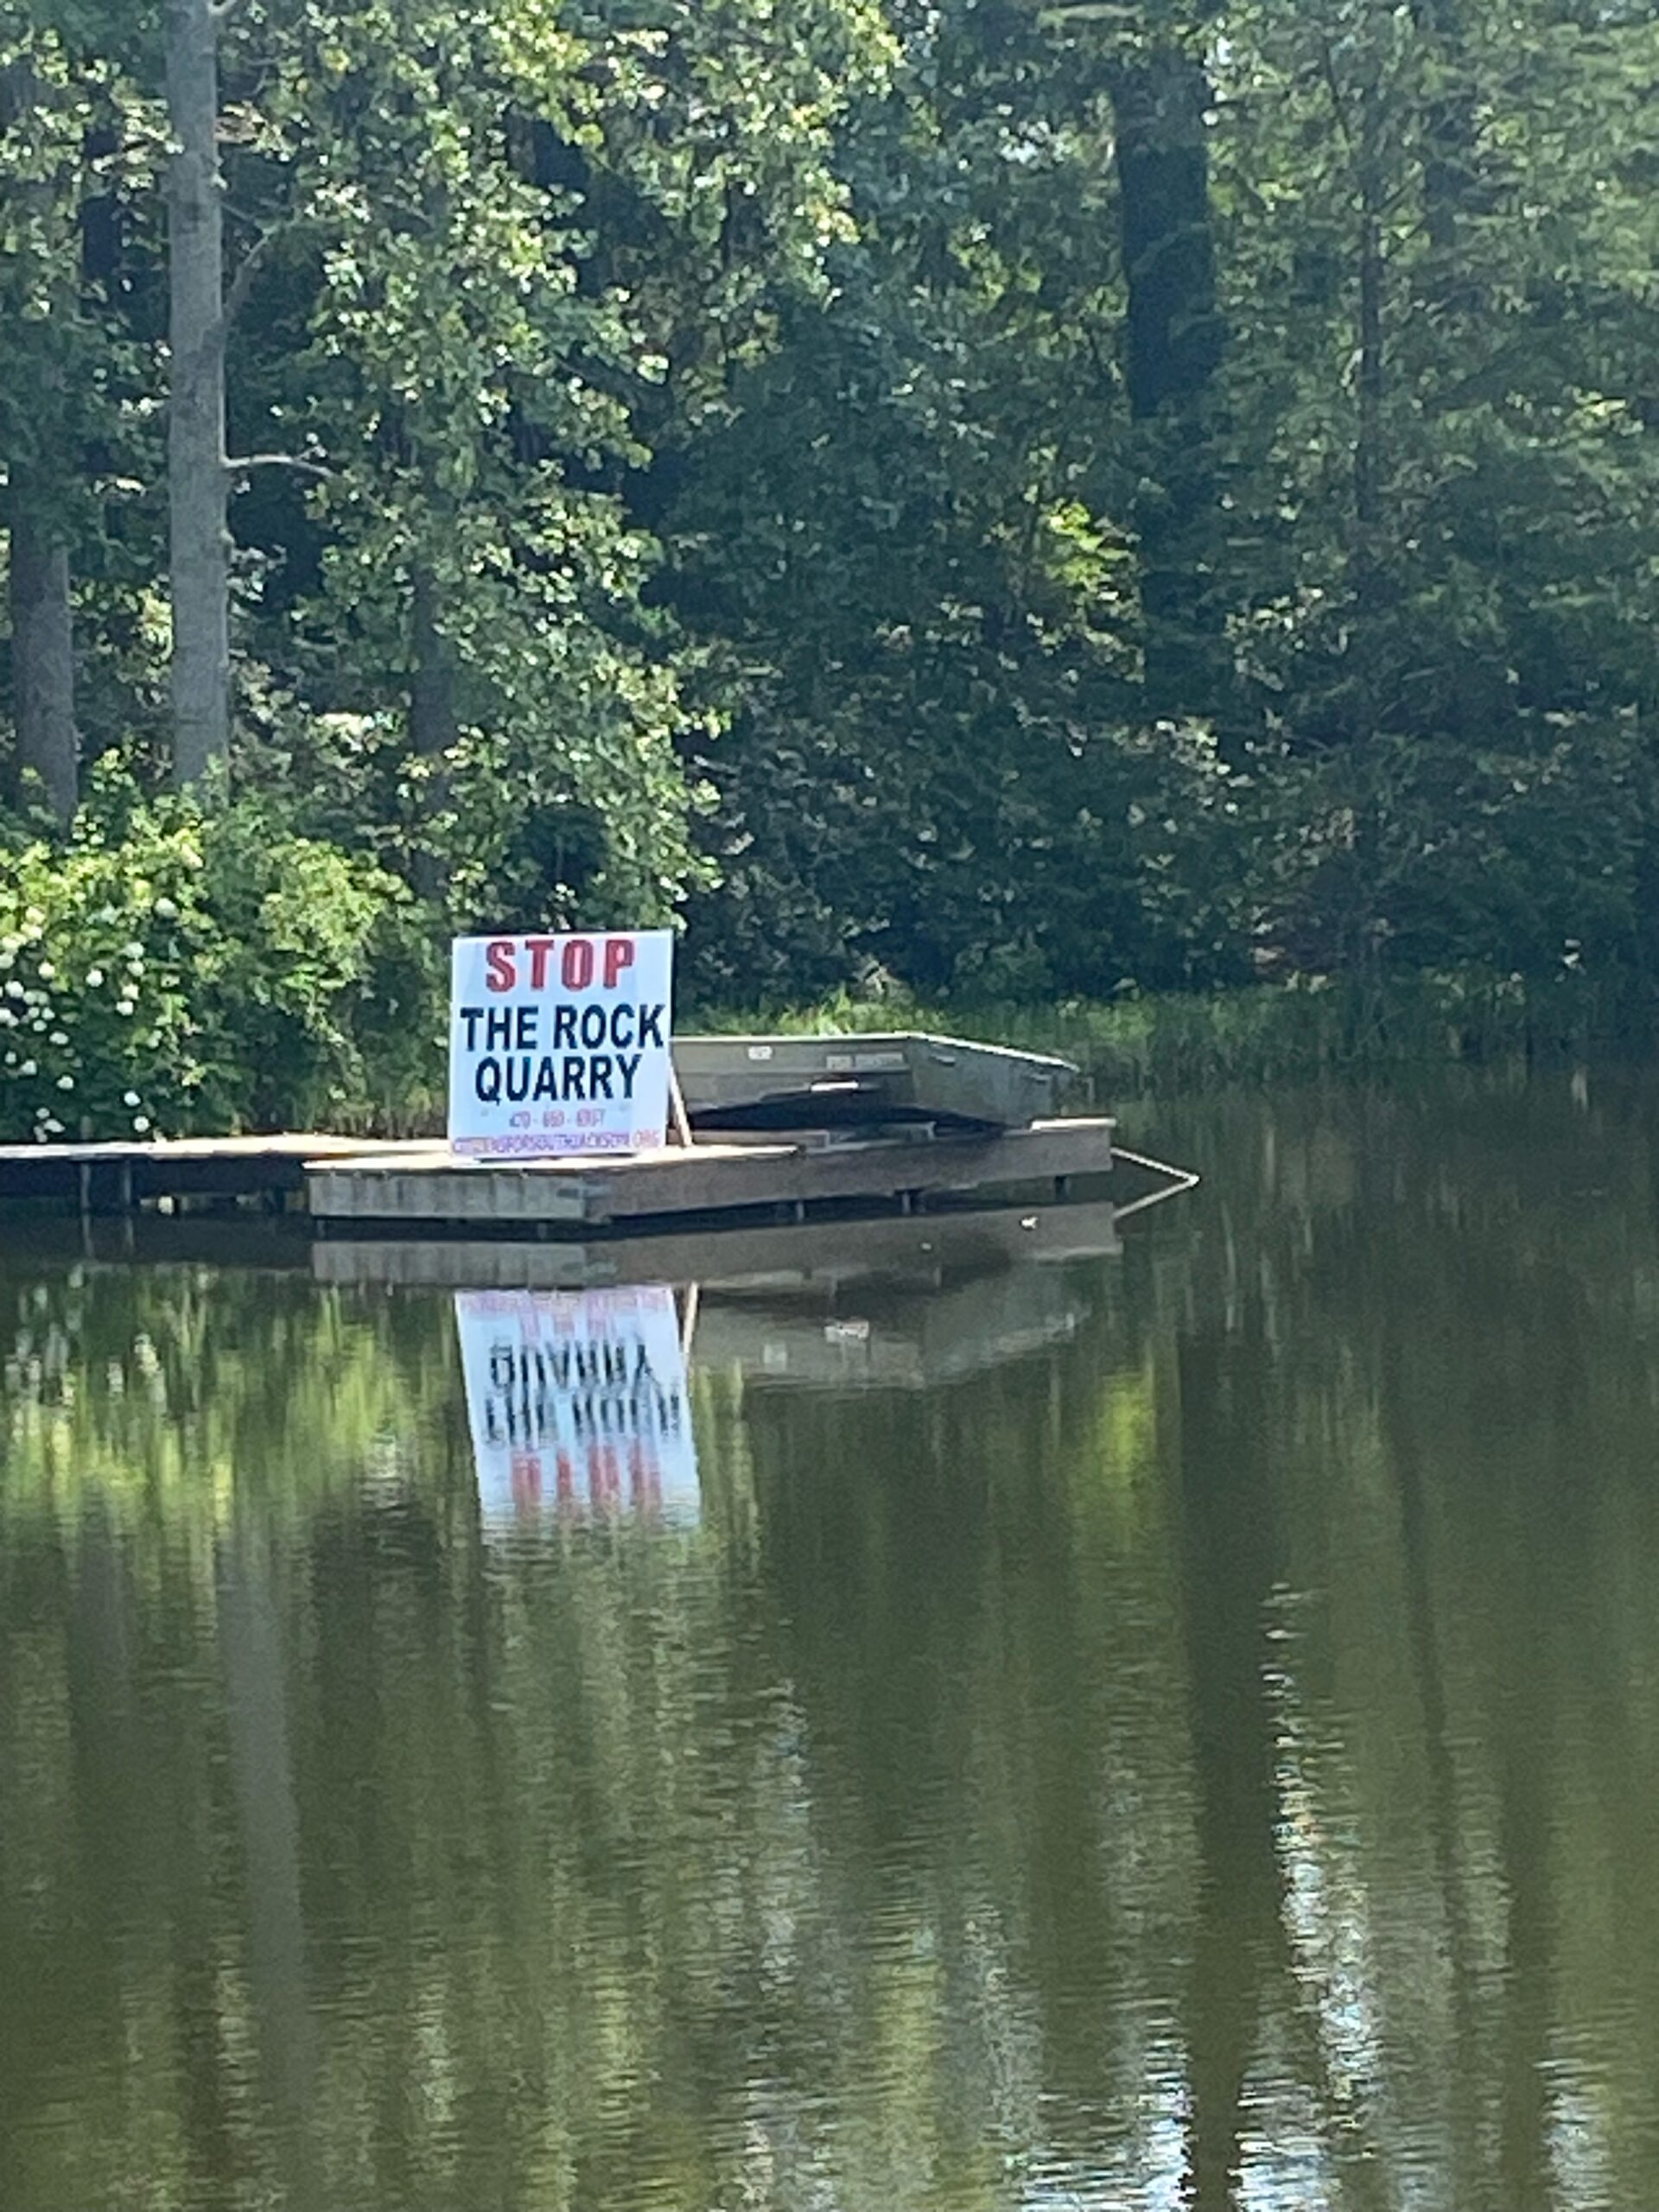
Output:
x=38 y=1005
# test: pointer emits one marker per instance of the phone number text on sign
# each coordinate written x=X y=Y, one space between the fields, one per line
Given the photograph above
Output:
x=560 y=1043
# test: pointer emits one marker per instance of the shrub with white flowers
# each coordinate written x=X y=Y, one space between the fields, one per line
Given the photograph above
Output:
x=174 y=970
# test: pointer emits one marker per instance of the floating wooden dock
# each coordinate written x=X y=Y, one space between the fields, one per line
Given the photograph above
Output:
x=116 y=1177
x=427 y=1186
x=343 y=1181
x=786 y=1128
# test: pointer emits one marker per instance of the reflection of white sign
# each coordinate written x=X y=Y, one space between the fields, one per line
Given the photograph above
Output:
x=560 y=1043
x=577 y=1401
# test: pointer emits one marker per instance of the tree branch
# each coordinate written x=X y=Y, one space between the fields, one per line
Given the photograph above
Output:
x=1334 y=83
x=242 y=283
x=241 y=464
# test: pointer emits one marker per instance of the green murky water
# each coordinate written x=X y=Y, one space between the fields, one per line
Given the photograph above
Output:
x=1017 y=1724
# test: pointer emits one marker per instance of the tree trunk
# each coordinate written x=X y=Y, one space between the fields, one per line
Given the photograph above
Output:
x=197 y=484
x=43 y=648
x=434 y=721
x=42 y=620
x=1450 y=158
x=1368 y=435
x=1175 y=339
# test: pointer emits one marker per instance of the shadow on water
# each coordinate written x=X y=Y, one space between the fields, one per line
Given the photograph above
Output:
x=1019 y=1717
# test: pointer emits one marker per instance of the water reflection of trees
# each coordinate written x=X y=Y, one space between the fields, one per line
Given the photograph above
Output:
x=1205 y=1762
x=1451 y=1298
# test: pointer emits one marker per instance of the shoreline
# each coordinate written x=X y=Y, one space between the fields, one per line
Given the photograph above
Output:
x=1171 y=1041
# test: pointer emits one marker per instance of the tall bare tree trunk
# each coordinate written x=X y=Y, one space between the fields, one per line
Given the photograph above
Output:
x=1451 y=143
x=38 y=587
x=434 y=723
x=1175 y=341
x=1367 y=433
x=43 y=647
x=197 y=478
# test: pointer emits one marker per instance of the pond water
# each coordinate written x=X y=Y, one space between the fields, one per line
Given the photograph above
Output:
x=1052 y=1725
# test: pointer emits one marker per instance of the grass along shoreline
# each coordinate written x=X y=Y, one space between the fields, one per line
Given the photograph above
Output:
x=1173 y=1041
x=1152 y=1046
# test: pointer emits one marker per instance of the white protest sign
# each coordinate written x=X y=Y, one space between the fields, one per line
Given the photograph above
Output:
x=577 y=1402
x=560 y=1043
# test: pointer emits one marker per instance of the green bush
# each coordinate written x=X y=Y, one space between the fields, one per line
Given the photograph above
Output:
x=173 y=970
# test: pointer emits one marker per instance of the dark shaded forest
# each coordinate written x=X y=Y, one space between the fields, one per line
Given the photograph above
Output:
x=982 y=500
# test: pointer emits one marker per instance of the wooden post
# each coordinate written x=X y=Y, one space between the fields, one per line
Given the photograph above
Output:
x=678 y=1118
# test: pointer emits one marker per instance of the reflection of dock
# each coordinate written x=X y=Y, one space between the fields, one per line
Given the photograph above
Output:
x=252 y=1243
x=921 y=1252
x=889 y=1314
x=890 y=1339
x=887 y=1305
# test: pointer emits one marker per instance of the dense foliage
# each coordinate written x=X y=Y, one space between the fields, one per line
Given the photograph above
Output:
x=992 y=498
x=179 y=967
